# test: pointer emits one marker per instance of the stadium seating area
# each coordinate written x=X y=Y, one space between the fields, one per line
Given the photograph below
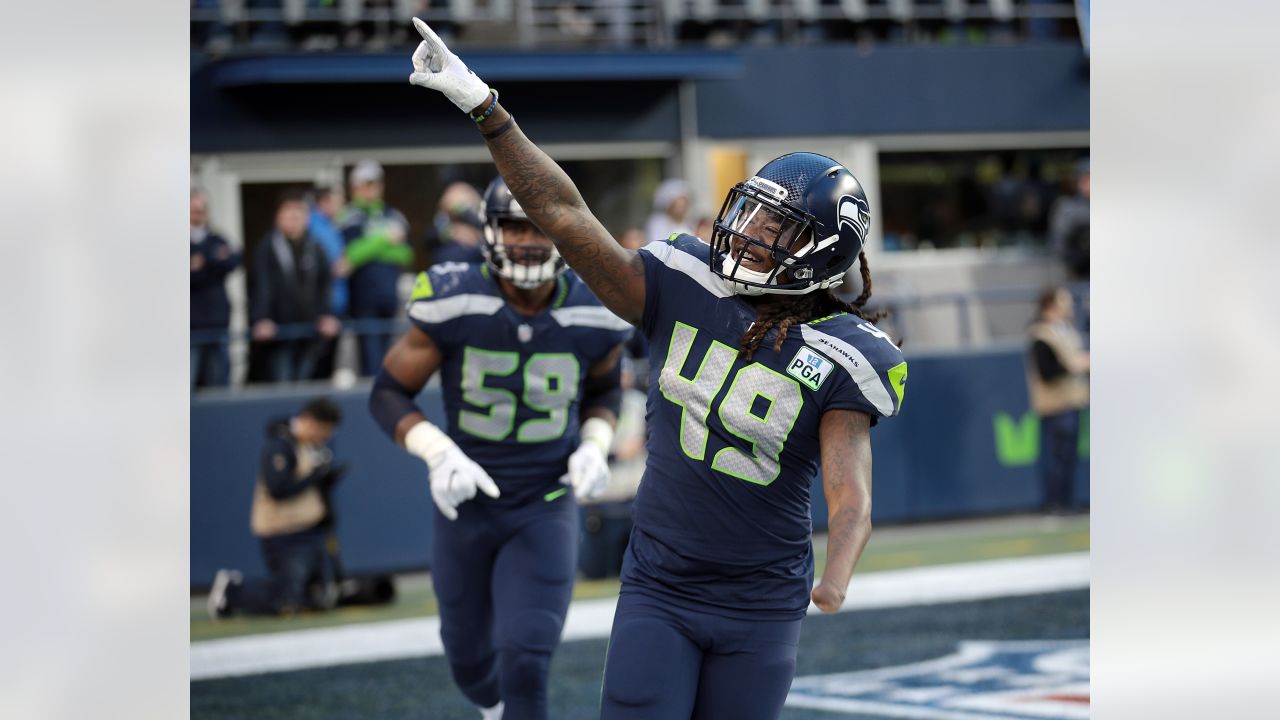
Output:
x=220 y=26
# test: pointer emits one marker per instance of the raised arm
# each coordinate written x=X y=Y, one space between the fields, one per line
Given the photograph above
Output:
x=845 y=440
x=614 y=274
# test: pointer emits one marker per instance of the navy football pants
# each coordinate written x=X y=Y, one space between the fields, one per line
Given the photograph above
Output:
x=670 y=663
x=503 y=577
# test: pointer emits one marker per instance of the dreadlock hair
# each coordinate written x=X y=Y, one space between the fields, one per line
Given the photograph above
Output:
x=802 y=308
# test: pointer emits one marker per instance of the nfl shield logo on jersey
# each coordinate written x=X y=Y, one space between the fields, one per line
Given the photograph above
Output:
x=982 y=680
x=524 y=333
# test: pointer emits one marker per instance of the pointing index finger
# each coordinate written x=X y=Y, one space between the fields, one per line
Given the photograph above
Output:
x=427 y=33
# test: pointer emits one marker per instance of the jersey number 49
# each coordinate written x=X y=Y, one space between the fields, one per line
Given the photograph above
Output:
x=760 y=407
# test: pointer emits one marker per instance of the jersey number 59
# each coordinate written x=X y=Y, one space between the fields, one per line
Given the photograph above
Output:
x=550 y=386
x=760 y=407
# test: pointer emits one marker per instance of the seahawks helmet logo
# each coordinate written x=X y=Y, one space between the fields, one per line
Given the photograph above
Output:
x=854 y=213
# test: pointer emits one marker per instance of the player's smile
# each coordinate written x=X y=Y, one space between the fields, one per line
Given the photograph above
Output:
x=752 y=256
x=763 y=226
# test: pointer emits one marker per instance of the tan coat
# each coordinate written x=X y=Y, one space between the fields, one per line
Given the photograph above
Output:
x=1067 y=392
x=271 y=517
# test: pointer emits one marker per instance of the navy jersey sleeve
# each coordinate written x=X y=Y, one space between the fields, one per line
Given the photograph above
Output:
x=866 y=370
x=673 y=268
x=445 y=297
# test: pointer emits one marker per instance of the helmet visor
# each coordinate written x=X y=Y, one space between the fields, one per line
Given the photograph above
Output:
x=753 y=237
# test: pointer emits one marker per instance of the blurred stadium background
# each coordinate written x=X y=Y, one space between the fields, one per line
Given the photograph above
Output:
x=966 y=120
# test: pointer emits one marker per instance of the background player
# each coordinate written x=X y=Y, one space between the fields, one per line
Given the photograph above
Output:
x=755 y=369
x=524 y=349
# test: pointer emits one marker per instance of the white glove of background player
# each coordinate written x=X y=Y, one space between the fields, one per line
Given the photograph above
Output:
x=455 y=479
x=436 y=67
x=454 y=476
x=589 y=464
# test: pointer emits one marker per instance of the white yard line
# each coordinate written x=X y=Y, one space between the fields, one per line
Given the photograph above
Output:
x=399 y=639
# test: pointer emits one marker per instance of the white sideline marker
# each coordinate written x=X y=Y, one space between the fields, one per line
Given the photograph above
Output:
x=588 y=619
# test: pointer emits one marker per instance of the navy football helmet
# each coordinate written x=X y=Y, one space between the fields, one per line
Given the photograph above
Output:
x=526 y=267
x=801 y=221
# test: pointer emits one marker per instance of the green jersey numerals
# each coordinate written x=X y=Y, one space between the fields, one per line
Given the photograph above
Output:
x=760 y=407
x=550 y=387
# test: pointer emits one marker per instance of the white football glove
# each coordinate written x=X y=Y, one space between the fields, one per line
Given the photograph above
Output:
x=589 y=464
x=454 y=476
x=436 y=67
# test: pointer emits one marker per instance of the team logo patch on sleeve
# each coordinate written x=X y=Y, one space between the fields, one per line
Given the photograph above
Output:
x=422 y=288
x=810 y=367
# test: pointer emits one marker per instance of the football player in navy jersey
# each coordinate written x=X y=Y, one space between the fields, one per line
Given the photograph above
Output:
x=529 y=368
x=758 y=375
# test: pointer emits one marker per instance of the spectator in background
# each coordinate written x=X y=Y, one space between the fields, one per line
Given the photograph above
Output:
x=1057 y=379
x=291 y=287
x=670 y=206
x=290 y=517
x=323 y=226
x=1069 y=225
x=325 y=210
x=377 y=251
x=457 y=232
x=703 y=228
x=633 y=238
x=212 y=259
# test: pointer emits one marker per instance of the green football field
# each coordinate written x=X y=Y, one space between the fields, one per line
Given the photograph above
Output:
x=421 y=687
x=903 y=641
x=890 y=548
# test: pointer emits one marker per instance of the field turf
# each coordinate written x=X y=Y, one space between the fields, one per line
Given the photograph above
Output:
x=421 y=688
x=891 y=548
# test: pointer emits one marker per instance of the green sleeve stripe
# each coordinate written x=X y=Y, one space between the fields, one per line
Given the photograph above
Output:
x=562 y=293
x=827 y=317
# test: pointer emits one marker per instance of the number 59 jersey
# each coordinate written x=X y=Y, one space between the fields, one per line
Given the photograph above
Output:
x=722 y=517
x=512 y=383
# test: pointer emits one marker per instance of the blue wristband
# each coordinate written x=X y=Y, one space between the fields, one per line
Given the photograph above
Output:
x=487 y=111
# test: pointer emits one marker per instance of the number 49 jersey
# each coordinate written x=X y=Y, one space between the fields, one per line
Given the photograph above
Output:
x=512 y=383
x=722 y=517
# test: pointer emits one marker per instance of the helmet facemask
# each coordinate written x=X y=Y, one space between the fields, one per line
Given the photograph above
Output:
x=525 y=266
x=759 y=203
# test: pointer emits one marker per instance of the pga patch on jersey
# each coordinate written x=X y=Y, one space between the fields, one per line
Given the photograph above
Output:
x=810 y=367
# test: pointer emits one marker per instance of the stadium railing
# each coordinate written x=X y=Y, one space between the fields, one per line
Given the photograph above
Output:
x=899 y=307
x=648 y=23
x=963 y=302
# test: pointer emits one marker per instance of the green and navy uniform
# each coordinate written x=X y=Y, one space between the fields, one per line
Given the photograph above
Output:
x=513 y=386
x=720 y=565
